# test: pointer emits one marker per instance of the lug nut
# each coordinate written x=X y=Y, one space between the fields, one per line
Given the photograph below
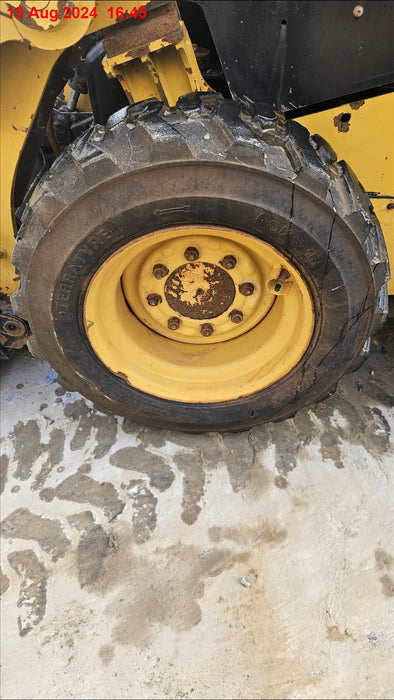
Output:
x=160 y=271
x=154 y=299
x=236 y=316
x=191 y=254
x=206 y=329
x=283 y=275
x=173 y=323
x=246 y=288
x=228 y=262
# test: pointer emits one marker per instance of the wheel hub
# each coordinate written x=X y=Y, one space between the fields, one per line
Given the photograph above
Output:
x=198 y=313
x=188 y=281
x=199 y=290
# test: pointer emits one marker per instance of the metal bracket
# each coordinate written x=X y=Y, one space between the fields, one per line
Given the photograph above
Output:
x=153 y=57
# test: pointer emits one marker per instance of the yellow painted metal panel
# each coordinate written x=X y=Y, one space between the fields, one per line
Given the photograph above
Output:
x=24 y=73
x=362 y=134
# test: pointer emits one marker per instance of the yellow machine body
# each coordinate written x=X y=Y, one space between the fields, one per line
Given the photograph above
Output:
x=165 y=68
x=361 y=133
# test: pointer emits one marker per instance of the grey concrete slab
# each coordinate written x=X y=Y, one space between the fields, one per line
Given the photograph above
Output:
x=153 y=564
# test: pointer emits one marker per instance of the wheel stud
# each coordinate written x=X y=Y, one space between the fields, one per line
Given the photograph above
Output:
x=228 y=262
x=247 y=288
x=191 y=254
x=283 y=275
x=206 y=329
x=160 y=271
x=173 y=323
x=236 y=316
x=154 y=299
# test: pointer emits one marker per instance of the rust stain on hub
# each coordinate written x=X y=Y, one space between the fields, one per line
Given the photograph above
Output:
x=200 y=290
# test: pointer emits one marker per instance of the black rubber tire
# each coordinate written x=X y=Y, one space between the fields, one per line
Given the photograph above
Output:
x=201 y=162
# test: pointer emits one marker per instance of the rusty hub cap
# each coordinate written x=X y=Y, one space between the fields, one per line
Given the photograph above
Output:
x=199 y=290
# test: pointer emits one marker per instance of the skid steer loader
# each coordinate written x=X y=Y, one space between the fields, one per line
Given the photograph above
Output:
x=175 y=242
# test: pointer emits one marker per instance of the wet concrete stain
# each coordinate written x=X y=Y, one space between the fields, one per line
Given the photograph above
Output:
x=209 y=446
x=289 y=440
x=144 y=510
x=383 y=560
x=280 y=482
x=291 y=437
x=193 y=485
x=330 y=449
x=4 y=462
x=305 y=428
x=93 y=547
x=344 y=417
x=4 y=582
x=82 y=521
x=106 y=654
x=159 y=595
x=240 y=457
x=81 y=488
x=378 y=431
x=33 y=589
x=265 y=533
x=25 y=525
x=130 y=427
x=139 y=460
x=384 y=564
x=365 y=424
x=27 y=445
x=387 y=585
x=55 y=449
x=106 y=427
x=235 y=451
x=79 y=411
x=88 y=419
x=285 y=438
x=85 y=468
x=378 y=392
x=47 y=494
x=334 y=634
x=259 y=437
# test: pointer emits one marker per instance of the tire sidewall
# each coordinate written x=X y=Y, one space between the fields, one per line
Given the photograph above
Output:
x=236 y=196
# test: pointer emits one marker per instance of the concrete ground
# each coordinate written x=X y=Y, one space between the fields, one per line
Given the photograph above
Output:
x=141 y=563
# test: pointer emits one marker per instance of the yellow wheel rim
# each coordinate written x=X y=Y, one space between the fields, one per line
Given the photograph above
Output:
x=198 y=314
